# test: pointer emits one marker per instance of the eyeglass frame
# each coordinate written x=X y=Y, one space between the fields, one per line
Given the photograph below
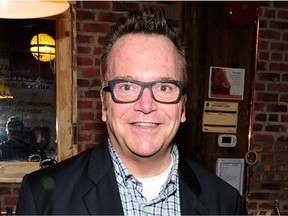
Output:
x=110 y=84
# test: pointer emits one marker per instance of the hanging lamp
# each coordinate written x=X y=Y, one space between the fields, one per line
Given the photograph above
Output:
x=28 y=9
x=42 y=47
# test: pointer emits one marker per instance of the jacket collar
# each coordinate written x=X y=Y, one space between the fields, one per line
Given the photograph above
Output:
x=101 y=190
x=101 y=186
x=190 y=191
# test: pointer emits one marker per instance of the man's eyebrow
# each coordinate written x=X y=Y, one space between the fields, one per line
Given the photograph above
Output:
x=124 y=77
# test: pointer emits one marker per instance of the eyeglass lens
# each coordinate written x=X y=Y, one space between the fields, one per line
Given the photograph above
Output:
x=162 y=91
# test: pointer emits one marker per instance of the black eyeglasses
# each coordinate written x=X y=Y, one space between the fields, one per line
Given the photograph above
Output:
x=129 y=91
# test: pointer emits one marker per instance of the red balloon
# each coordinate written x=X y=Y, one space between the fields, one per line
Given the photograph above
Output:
x=242 y=12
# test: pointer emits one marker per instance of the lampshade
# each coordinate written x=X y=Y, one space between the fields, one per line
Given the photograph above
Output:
x=5 y=91
x=28 y=9
x=43 y=47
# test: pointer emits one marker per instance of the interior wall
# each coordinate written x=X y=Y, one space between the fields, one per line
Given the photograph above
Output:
x=270 y=174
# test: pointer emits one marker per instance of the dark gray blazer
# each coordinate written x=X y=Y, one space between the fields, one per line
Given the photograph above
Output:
x=86 y=184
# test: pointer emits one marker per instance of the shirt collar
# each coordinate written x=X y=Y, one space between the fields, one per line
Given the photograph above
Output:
x=125 y=172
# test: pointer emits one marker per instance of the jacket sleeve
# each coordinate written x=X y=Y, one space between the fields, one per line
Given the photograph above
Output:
x=26 y=202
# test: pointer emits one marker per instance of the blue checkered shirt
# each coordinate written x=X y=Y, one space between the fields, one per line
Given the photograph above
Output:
x=134 y=203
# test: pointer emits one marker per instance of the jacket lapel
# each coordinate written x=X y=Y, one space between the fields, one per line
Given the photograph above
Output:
x=190 y=191
x=101 y=190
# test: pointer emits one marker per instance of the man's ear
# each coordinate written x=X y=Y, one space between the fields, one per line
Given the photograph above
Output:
x=183 y=112
x=104 y=104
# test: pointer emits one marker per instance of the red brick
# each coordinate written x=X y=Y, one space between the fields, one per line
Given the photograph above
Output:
x=261 y=65
x=90 y=72
x=84 y=137
x=84 y=61
x=83 y=38
x=156 y=7
x=96 y=4
x=97 y=51
x=11 y=200
x=283 y=14
x=267 y=157
x=263 y=55
x=92 y=94
x=277 y=57
x=263 y=45
x=278 y=25
x=278 y=67
x=263 y=138
x=97 y=62
x=266 y=205
x=258 y=106
x=96 y=83
x=284 y=118
x=273 y=118
x=259 y=87
x=257 y=127
x=259 y=195
x=124 y=6
x=282 y=139
x=109 y=16
x=86 y=116
x=5 y=190
x=277 y=87
x=266 y=97
x=268 y=77
x=96 y=27
x=83 y=50
x=88 y=146
x=276 y=108
x=284 y=98
x=260 y=117
x=279 y=46
x=84 y=104
x=85 y=15
x=82 y=83
x=275 y=148
x=285 y=36
x=92 y=126
x=285 y=77
x=269 y=34
x=275 y=168
x=269 y=13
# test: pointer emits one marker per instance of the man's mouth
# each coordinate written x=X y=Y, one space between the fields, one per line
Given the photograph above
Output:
x=145 y=124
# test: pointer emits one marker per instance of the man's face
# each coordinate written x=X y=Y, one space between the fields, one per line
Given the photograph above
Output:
x=145 y=128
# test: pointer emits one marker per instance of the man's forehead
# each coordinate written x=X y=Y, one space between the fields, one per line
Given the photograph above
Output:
x=140 y=39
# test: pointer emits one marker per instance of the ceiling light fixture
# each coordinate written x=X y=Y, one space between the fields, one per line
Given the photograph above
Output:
x=28 y=9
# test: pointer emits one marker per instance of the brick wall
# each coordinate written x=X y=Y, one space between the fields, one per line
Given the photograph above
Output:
x=94 y=19
x=270 y=138
x=270 y=178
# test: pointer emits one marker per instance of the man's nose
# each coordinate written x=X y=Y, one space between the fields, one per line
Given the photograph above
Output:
x=146 y=103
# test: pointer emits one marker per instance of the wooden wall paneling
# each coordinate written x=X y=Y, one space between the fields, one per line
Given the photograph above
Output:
x=213 y=40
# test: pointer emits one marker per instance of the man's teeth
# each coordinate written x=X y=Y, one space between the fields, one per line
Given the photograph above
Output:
x=145 y=124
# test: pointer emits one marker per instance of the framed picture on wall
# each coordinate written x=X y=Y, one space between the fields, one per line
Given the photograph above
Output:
x=226 y=83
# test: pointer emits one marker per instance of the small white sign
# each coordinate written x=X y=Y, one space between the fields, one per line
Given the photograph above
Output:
x=231 y=170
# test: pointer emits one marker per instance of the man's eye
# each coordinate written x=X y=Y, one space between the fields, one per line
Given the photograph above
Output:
x=165 y=88
x=125 y=87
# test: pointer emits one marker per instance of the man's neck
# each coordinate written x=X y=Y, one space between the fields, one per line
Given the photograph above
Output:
x=145 y=167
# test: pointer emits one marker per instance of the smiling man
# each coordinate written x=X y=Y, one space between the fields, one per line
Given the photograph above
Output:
x=138 y=170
